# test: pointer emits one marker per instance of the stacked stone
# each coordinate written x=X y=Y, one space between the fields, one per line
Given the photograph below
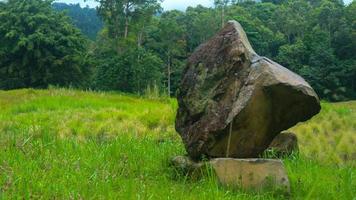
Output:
x=233 y=102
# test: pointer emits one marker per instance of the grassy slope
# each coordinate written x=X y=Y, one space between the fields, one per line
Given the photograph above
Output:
x=71 y=144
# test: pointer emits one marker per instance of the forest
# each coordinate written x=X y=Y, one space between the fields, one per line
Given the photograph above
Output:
x=134 y=45
x=119 y=101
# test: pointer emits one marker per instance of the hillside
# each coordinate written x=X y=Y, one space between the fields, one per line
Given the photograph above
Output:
x=86 y=19
x=79 y=145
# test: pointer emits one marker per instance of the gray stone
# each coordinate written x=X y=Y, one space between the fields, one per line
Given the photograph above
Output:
x=227 y=88
x=246 y=174
x=284 y=144
x=251 y=174
x=185 y=164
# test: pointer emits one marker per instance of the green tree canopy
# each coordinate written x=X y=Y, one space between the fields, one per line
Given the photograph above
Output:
x=39 y=47
x=86 y=19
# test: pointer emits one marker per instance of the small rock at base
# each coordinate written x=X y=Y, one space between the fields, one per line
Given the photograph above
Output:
x=284 y=144
x=186 y=166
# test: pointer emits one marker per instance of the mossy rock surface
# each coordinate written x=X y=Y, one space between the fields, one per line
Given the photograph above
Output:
x=228 y=88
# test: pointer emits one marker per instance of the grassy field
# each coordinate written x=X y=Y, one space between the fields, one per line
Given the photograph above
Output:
x=66 y=144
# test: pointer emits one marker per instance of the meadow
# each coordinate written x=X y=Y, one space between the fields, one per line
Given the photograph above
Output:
x=68 y=144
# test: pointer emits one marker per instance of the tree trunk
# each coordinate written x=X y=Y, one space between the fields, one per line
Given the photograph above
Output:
x=126 y=26
x=118 y=49
x=222 y=16
x=127 y=10
x=140 y=37
x=169 y=76
x=353 y=82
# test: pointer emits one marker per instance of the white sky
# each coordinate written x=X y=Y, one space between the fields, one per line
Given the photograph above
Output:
x=183 y=4
x=167 y=4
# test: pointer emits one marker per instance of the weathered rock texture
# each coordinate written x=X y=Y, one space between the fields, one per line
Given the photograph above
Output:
x=226 y=85
x=284 y=144
x=249 y=174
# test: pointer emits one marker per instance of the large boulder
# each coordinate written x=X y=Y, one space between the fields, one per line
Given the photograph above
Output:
x=232 y=102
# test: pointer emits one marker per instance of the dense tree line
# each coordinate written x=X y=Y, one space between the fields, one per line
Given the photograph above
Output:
x=86 y=19
x=142 y=46
x=40 y=47
x=314 y=38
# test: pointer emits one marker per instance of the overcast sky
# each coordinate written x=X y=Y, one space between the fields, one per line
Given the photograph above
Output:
x=167 y=4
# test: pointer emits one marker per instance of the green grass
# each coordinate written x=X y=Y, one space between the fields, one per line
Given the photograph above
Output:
x=68 y=144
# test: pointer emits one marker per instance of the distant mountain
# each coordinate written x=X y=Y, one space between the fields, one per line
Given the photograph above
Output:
x=86 y=19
